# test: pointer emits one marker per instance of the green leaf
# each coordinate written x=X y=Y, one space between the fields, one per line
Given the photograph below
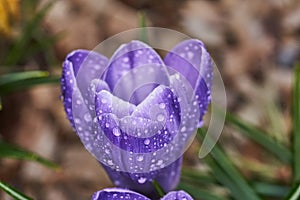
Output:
x=19 y=76
x=11 y=151
x=261 y=138
x=226 y=173
x=198 y=193
x=19 y=49
x=142 y=25
x=196 y=177
x=22 y=80
x=160 y=191
x=295 y=193
x=271 y=190
x=13 y=192
x=296 y=122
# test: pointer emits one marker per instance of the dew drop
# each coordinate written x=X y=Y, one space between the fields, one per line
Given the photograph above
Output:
x=107 y=151
x=142 y=180
x=104 y=100
x=140 y=158
x=116 y=132
x=110 y=162
x=183 y=129
x=78 y=102
x=162 y=105
x=190 y=54
x=159 y=162
x=107 y=125
x=87 y=117
x=160 y=117
x=146 y=141
x=126 y=59
x=77 y=120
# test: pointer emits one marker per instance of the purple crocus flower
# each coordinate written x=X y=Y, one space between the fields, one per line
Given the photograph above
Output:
x=117 y=193
x=135 y=112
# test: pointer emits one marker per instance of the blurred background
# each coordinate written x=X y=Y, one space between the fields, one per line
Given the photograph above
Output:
x=254 y=44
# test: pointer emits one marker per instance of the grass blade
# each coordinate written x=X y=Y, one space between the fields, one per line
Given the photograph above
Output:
x=271 y=190
x=12 y=151
x=295 y=193
x=19 y=76
x=13 y=192
x=296 y=123
x=142 y=25
x=261 y=138
x=226 y=173
x=19 y=48
x=197 y=193
x=159 y=190
x=191 y=175
x=22 y=80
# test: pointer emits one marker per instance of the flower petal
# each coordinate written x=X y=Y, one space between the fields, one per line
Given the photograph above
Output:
x=77 y=74
x=191 y=60
x=168 y=177
x=178 y=195
x=130 y=60
x=117 y=194
x=139 y=133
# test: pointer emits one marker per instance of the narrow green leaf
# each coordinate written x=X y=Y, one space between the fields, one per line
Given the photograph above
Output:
x=13 y=192
x=12 y=151
x=197 y=177
x=19 y=48
x=160 y=191
x=198 y=193
x=271 y=190
x=19 y=76
x=261 y=138
x=23 y=80
x=296 y=122
x=295 y=193
x=226 y=173
x=142 y=24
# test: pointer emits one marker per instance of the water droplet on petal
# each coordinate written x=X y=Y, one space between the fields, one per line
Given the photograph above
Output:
x=162 y=105
x=142 y=180
x=190 y=54
x=78 y=102
x=116 y=132
x=107 y=125
x=160 y=117
x=159 y=162
x=146 y=141
x=77 y=120
x=140 y=158
x=110 y=162
x=183 y=129
x=104 y=100
x=87 y=117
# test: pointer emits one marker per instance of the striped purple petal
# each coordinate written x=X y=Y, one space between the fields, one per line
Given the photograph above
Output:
x=177 y=195
x=90 y=62
x=124 y=66
x=151 y=126
x=117 y=194
x=168 y=177
x=191 y=60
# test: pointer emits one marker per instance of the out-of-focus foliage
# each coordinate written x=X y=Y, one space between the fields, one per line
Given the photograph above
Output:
x=9 y=14
x=13 y=192
x=224 y=174
x=27 y=41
